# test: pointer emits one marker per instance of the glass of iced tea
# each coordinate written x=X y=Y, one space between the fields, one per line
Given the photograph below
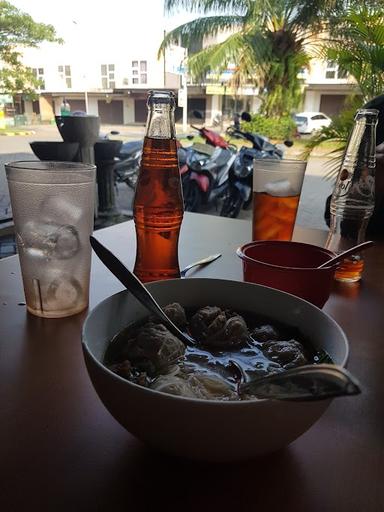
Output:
x=276 y=194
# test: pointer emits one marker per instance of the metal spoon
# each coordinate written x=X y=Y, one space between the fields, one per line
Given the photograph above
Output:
x=343 y=255
x=304 y=383
x=204 y=261
x=136 y=287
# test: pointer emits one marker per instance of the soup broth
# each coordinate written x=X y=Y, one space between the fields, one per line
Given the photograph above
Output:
x=230 y=348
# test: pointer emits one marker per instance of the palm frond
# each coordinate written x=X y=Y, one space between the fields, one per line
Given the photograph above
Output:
x=216 y=57
x=200 y=28
x=206 y=6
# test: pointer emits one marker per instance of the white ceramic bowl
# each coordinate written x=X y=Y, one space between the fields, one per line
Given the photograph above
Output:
x=199 y=429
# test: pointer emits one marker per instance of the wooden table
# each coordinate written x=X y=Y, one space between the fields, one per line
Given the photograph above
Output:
x=60 y=450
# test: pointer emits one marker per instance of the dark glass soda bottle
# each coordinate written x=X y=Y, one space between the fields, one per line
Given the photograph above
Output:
x=158 y=206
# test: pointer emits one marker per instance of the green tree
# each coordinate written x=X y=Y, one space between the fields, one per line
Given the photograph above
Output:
x=268 y=40
x=18 y=31
x=356 y=44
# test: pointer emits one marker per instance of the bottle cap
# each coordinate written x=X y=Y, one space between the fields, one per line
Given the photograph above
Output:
x=161 y=97
x=369 y=114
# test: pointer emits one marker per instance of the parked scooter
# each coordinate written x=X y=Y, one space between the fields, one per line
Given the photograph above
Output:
x=241 y=174
x=127 y=168
x=207 y=180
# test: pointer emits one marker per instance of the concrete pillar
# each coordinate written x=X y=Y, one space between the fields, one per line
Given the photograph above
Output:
x=93 y=106
x=46 y=108
x=58 y=101
x=28 y=108
x=208 y=109
x=311 y=101
x=255 y=104
x=128 y=110
x=216 y=106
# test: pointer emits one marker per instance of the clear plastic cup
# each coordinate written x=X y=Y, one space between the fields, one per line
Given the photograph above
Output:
x=53 y=211
x=276 y=193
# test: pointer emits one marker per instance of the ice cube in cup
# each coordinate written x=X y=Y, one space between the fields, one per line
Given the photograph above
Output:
x=276 y=194
x=54 y=208
x=53 y=233
x=279 y=188
x=49 y=241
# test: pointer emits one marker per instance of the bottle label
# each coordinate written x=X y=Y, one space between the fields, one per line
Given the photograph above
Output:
x=363 y=188
x=344 y=183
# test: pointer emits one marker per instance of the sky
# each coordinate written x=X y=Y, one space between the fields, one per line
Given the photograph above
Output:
x=103 y=25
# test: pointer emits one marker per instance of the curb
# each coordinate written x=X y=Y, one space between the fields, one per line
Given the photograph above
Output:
x=12 y=134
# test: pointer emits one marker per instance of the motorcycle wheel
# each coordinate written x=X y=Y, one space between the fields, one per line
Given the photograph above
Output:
x=232 y=204
x=192 y=197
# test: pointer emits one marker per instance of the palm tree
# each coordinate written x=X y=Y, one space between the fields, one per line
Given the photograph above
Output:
x=356 y=44
x=267 y=40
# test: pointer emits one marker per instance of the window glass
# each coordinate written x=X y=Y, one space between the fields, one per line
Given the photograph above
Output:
x=68 y=82
x=68 y=70
x=341 y=73
x=143 y=65
x=143 y=78
x=135 y=63
x=135 y=80
x=135 y=72
x=103 y=69
x=111 y=85
x=104 y=83
x=111 y=67
x=41 y=71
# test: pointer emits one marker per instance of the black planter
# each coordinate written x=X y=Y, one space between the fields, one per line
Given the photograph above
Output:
x=81 y=129
x=56 y=151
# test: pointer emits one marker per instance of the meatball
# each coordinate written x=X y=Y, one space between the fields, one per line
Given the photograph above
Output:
x=176 y=313
x=219 y=329
x=288 y=354
x=154 y=349
x=265 y=333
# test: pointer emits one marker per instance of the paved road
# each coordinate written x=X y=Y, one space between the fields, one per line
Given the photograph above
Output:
x=314 y=193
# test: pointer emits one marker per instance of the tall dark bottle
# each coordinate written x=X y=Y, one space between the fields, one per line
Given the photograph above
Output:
x=158 y=204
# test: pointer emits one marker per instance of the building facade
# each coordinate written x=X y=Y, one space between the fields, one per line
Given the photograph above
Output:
x=115 y=87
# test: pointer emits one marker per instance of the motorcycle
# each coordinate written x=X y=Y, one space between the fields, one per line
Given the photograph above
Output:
x=241 y=173
x=127 y=167
x=128 y=164
x=208 y=178
x=208 y=165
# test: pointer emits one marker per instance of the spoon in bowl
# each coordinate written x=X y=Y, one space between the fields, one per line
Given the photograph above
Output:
x=136 y=287
x=343 y=255
x=305 y=383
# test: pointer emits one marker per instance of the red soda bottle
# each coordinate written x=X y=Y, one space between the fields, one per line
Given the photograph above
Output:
x=158 y=203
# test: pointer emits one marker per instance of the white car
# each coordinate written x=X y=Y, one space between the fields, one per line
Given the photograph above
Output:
x=310 y=122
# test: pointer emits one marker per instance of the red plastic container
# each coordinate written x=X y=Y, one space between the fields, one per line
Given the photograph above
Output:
x=290 y=267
